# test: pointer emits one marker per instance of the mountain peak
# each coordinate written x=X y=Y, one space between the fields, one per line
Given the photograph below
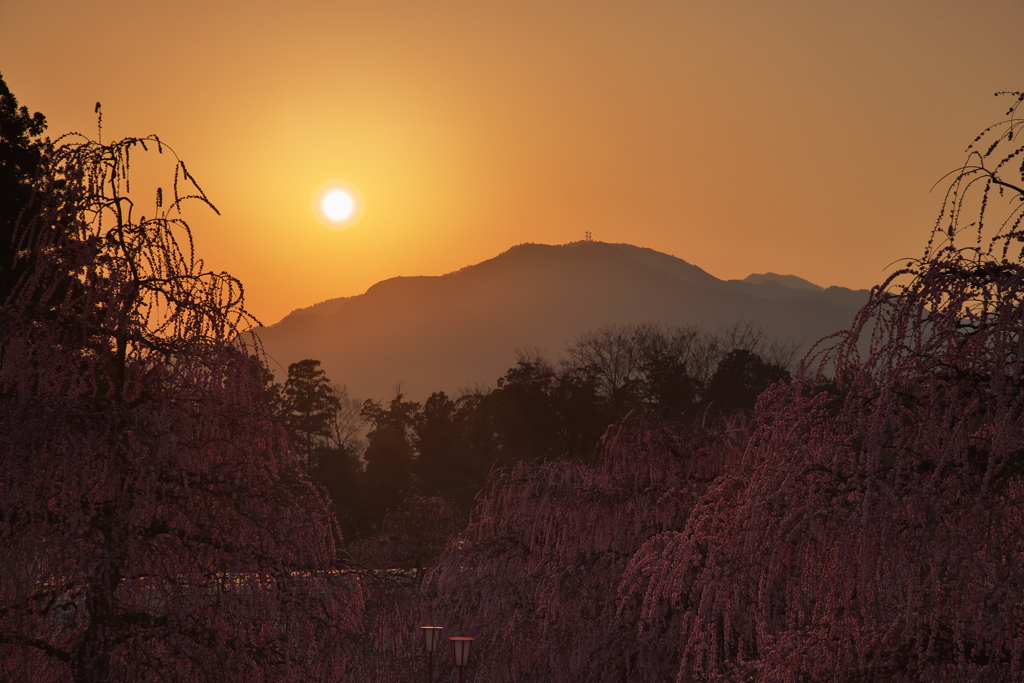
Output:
x=438 y=333
x=791 y=281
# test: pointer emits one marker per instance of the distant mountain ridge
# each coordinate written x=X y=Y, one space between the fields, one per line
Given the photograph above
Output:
x=462 y=329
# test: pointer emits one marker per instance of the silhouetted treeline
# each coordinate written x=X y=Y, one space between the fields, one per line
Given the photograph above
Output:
x=540 y=409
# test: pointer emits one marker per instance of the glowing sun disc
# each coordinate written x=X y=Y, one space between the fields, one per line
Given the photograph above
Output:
x=336 y=204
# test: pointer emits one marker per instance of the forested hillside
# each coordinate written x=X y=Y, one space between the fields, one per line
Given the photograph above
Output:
x=462 y=329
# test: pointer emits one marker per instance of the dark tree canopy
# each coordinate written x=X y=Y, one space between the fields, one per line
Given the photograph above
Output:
x=309 y=406
x=740 y=378
x=325 y=425
x=523 y=411
x=21 y=158
x=389 y=455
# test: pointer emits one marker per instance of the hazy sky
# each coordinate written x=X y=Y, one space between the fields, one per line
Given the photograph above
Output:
x=796 y=136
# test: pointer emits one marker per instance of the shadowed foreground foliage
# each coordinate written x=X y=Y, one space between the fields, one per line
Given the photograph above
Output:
x=153 y=521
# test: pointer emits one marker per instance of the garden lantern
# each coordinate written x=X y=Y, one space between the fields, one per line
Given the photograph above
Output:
x=460 y=653
x=431 y=637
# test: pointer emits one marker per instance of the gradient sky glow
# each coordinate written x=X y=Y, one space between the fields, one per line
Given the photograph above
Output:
x=799 y=136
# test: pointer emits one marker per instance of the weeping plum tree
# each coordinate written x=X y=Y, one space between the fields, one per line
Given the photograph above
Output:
x=874 y=532
x=865 y=528
x=534 y=577
x=154 y=524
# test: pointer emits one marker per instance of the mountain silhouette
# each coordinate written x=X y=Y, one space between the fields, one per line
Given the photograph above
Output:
x=463 y=329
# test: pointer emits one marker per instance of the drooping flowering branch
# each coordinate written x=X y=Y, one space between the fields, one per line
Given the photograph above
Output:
x=154 y=520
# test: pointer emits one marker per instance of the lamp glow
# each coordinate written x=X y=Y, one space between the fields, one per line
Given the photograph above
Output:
x=460 y=651
x=431 y=637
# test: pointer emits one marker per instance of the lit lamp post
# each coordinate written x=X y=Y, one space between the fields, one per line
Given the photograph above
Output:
x=431 y=637
x=460 y=653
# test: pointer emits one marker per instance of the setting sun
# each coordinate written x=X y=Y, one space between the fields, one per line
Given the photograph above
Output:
x=337 y=205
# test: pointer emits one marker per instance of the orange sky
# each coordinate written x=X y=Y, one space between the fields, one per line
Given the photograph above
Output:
x=799 y=136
